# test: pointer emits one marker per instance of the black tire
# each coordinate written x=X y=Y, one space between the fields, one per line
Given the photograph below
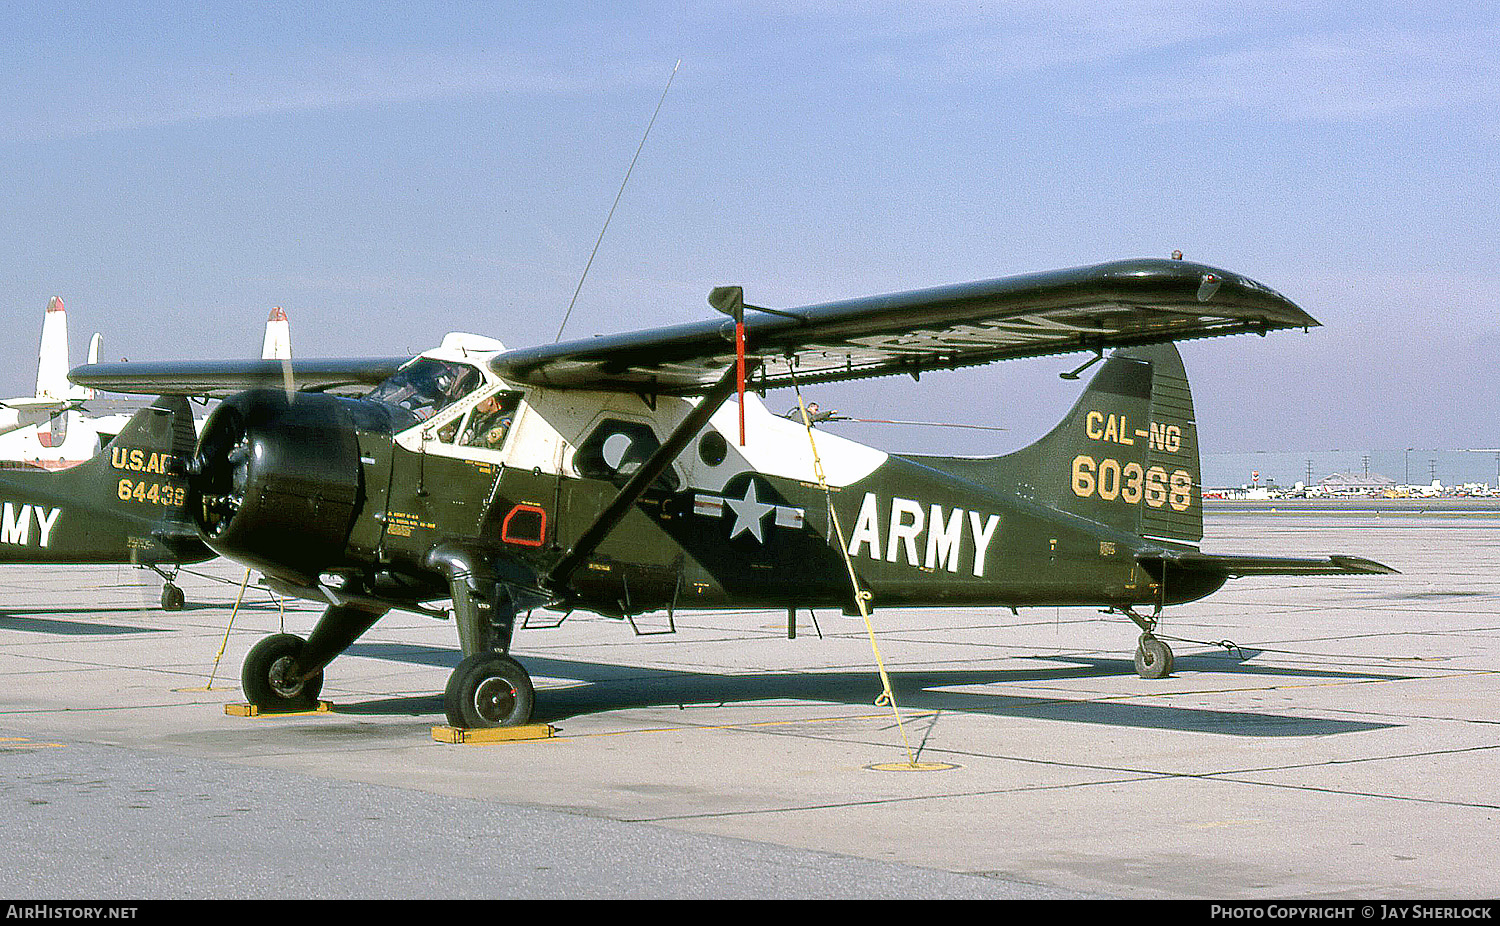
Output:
x=488 y=690
x=263 y=676
x=1153 y=658
x=172 y=598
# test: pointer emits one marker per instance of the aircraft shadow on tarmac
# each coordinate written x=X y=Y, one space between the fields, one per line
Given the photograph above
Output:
x=610 y=687
x=15 y=619
x=20 y=619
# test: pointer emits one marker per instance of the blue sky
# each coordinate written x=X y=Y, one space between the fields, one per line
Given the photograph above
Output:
x=389 y=172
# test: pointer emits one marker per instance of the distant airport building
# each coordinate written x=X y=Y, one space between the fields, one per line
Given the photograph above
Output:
x=1414 y=467
x=1354 y=484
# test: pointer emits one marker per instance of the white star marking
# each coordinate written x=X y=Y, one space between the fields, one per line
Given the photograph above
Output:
x=749 y=513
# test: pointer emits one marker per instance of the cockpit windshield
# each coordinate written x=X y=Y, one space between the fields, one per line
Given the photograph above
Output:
x=427 y=386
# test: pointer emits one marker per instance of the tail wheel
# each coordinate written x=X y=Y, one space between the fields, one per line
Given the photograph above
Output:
x=1153 y=658
x=270 y=676
x=488 y=690
x=172 y=598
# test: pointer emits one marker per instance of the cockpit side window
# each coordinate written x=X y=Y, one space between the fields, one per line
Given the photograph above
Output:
x=489 y=423
x=427 y=386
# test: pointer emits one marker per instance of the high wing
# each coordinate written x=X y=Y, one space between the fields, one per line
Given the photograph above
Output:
x=1092 y=308
x=217 y=379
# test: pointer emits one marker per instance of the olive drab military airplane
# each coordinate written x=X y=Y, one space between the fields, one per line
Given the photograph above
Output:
x=615 y=475
x=122 y=506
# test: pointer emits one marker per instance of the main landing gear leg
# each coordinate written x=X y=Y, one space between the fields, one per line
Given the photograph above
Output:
x=488 y=689
x=1153 y=658
x=284 y=673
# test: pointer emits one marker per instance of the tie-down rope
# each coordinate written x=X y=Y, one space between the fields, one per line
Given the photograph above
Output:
x=861 y=597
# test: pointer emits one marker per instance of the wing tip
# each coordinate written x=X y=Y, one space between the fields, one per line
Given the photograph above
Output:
x=1359 y=565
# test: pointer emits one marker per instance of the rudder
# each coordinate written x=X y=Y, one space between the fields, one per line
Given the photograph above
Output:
x=161 y=432
x=149 y=451
x=1173 y=450
x=1126 y=455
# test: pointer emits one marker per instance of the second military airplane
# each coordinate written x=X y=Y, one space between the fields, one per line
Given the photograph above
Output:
x=111 y=491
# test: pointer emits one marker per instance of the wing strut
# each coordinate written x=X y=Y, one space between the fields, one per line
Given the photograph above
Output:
x=654 y=466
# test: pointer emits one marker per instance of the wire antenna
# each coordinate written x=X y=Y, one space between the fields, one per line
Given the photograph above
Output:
x=612 y=208
x=924 y=424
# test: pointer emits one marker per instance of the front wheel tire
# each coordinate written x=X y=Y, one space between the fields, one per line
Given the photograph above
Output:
x=488 y=690
x=270 y=680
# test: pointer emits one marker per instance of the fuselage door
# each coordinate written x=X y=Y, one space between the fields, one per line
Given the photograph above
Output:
x=497 y=460
x=436 y=396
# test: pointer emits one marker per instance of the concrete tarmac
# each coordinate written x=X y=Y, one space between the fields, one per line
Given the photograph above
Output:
x=1321 y=738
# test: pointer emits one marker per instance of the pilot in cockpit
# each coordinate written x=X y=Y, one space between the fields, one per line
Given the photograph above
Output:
x=490 y=421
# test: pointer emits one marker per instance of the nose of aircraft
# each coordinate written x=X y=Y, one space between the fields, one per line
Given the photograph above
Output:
x=275 y=482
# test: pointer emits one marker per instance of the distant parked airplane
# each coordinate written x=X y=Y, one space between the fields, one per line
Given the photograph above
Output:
x=54 y=394
x=51 y=430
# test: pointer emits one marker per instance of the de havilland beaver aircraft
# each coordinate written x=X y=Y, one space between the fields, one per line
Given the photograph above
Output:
x=615 y=474
x=123 y=505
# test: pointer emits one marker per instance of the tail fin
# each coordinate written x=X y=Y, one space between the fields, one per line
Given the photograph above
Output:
x=277 y=344
x=84 y=393
x=141 y=457
x=127 y=504
x=154 y=437
x=1126 y=455
x=52 y=361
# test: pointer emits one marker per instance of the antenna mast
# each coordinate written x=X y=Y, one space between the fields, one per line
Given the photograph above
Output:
x=612 y=208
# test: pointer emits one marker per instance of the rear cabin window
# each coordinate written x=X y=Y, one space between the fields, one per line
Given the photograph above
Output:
x=615 y=449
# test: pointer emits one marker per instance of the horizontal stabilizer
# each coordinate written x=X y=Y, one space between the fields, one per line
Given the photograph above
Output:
x=1239 y=566
x=41 y=407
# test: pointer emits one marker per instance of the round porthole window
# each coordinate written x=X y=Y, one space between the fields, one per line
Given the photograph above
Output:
x=712 y=448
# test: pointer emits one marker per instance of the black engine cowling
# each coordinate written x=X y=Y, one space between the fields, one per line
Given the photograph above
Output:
x=276 y=482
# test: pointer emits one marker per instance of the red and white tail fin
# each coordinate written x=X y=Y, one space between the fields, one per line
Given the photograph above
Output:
x=52 y=365
x=278 y=342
